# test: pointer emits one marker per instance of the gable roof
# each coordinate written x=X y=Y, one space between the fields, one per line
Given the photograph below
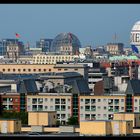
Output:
x=133 y=87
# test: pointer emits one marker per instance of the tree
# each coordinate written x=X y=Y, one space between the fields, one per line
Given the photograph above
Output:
x=73 y=121
x=23 y=116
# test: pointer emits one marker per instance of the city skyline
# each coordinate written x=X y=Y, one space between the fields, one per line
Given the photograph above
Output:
x=93 y=24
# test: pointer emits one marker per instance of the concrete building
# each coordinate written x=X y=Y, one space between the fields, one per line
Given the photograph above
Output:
x=41 y=68
x=10 y=102
x=6 y=42
x=42 y=118
x=10 y=126
x=35 y=51
x=106 y=128
x=135 y=117
x=115 y=48
x=14 y=51
x=100 y=107
x=52 y=59
x=62 y=103
x=45 y=44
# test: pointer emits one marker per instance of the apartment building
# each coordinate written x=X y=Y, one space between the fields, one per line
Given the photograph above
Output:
x=100 y=107
x=62 y=103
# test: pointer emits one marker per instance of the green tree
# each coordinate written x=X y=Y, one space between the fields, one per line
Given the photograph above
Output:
x=73 y=121
x=23 y=116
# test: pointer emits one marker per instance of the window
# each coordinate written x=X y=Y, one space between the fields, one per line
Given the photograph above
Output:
x=14 y=69
x=58 y=116
x=93 y=108
x=63 y=107
x=93 y=101
x=81 y=115
x=51 y=107
x=104 y=115
x=116 y=101
x=8 y=69
x=49 y=69
x=46 y=107
x=116 y=109
x=122 y=100
x=104 y=100
x=40 y=100
x=65 y=69
x=19 y=70
x=68 y=100
x=57 y=108
x=68 y=107
x=44 y=69
x=87 y=116
x=34 y=107
x=34 y=70
x=99 y=107
x=39 y=69
x=51 y=100
x=122 y=108
x=40 y=107
x=136 y=108
x=63 y=116
x=81 y=107
x=34 y=100
x=81 y=100
x=76 y=69
x=57 y=101
x=46 y=99
x=87 y=101
x=87 y=108
x=99 y=100
x=59 y=69
x=99 y=115
x=3 y=69
x=93 y=116
x=104 y=107
x=136 y=100
x=24 y=69
x=29 y=69
x=63 y=101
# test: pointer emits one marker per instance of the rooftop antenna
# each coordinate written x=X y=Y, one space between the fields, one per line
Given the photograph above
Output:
x=115 y=37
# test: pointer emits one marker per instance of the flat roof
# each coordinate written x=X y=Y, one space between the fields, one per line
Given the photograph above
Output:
x=104 y=120
x=41 y=111
x=127 y=113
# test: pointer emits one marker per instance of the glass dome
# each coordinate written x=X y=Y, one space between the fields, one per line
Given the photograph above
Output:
x=65 y=39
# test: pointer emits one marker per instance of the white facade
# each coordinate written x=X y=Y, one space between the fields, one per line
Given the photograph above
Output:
x=52 y=59
x=135 y=35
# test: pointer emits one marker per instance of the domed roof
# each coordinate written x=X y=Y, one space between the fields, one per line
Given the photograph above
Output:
x=136 y=26
x=65 y=39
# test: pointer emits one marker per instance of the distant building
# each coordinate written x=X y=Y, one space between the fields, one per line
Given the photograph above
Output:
x=5 y=42
x=115 y=48
x=14 y=51
x=66 y=43
x=53 y=59
x=45 y=44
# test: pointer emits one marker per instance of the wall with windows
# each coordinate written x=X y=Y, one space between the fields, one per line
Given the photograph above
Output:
x=52 y=102
x=100 y=107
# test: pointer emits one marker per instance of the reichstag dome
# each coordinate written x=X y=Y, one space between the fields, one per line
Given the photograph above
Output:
x=66 y=43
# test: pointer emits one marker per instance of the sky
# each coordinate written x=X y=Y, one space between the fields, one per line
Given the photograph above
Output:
x=93 y=24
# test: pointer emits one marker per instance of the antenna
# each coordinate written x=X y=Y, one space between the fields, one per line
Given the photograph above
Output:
x=115 y=37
